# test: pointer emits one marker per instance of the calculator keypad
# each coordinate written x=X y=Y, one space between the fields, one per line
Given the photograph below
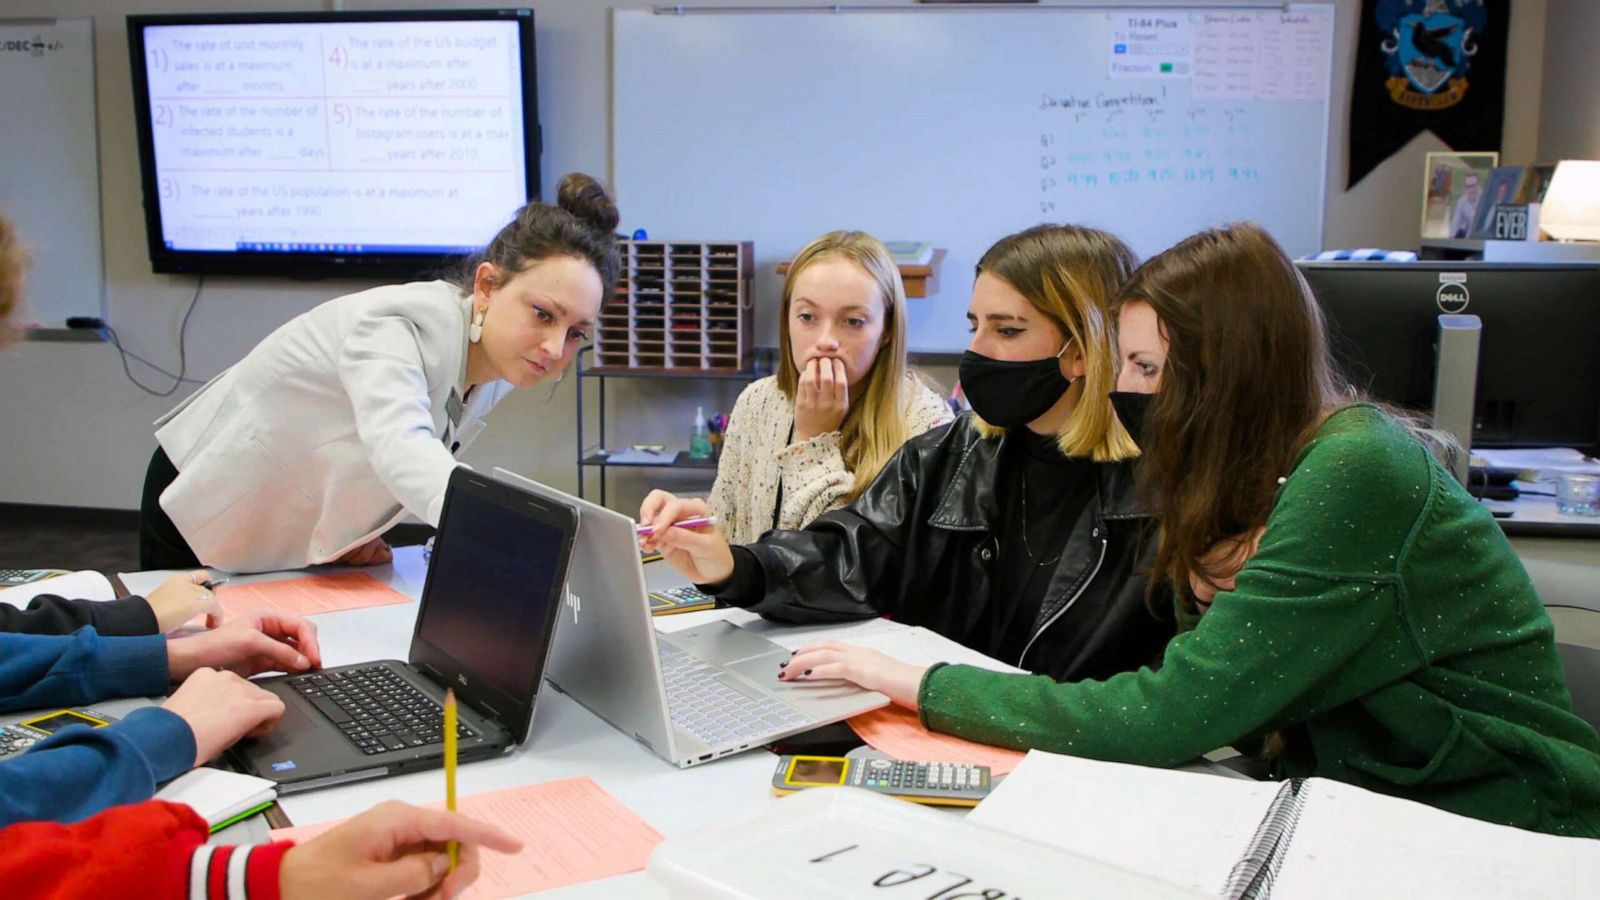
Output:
x=14 y=740
x=918 y=777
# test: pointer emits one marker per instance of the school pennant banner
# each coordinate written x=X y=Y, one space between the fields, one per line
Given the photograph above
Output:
x=1438 y=65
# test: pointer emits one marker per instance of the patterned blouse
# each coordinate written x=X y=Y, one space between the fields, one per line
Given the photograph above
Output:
x=757 y=457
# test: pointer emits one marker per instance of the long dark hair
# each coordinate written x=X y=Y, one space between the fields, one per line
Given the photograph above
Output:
x=581 y=224
x=1247 y=381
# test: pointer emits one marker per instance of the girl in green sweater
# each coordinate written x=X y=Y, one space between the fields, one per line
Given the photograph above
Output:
x=1352 y=606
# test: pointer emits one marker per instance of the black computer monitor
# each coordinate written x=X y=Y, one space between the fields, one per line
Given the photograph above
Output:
x=1539 y=355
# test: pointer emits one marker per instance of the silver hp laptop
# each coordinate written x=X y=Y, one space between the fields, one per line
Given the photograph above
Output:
x=484 y=626
x=690 y=696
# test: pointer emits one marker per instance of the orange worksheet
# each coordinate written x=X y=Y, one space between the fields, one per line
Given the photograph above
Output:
x=309 y=595
x=572 y=831
x=898 y=732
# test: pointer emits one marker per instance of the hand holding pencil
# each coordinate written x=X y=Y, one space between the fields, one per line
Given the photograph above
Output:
x=686 y=534
x=391 y=850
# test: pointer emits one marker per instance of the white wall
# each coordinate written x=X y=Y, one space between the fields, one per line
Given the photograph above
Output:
x=78 y=434
x=1570 y=125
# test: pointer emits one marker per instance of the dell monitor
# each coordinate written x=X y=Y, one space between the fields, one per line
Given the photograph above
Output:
x=350 y=143
x=1538 y=379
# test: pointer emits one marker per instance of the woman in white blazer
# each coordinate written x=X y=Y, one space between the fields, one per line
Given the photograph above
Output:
x=351 y=415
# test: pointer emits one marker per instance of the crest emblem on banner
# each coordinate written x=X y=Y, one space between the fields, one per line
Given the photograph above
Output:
x=1429 y=46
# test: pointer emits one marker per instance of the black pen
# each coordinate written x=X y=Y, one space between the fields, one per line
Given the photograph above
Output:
x=212 y=585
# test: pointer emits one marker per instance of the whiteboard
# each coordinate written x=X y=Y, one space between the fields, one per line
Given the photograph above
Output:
x=960 y=127
x=49 y=163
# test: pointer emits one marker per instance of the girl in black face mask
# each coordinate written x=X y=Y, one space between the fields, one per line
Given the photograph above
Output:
x=1014 y=530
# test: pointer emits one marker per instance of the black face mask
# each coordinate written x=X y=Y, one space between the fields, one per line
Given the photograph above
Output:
x=1131 y=409
x=1009 y=394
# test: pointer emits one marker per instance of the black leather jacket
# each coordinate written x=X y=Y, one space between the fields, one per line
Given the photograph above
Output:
x=919 y=547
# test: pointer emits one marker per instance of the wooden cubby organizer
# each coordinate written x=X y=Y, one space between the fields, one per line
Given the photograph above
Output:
x=680 y=306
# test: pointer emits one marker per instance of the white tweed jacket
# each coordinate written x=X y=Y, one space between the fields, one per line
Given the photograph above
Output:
x=757 y=457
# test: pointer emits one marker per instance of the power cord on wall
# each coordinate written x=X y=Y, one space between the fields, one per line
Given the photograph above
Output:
x=178 y=377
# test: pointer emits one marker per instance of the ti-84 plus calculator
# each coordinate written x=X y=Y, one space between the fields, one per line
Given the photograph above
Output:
x=15 y=739
x=936 y=784
x=688 y=598
x=14 y=577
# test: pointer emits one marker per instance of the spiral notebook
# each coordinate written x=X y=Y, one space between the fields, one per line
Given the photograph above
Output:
x=1303 y=838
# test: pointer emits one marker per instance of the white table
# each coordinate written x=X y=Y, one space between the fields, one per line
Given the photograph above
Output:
x=566 y=741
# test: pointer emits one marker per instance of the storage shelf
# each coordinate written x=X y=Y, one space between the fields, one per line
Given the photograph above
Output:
x=680 y=306
x=595 y=378
x=682 y=461
x=617 y=372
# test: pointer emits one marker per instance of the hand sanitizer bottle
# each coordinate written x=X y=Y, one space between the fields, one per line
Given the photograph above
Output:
x=699 y=438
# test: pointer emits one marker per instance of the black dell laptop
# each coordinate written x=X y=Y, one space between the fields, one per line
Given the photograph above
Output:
x=488 y=613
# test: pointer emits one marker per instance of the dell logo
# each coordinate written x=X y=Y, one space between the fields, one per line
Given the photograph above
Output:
x=1452 y=298
x=576 y=603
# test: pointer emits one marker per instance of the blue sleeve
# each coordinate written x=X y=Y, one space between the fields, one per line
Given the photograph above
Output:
x=81 y=771
x=39 y=670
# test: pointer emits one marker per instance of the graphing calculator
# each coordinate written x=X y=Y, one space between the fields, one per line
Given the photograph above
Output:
x=13 y=577
x=936 y=784
x=687 y=598
x=19 y=737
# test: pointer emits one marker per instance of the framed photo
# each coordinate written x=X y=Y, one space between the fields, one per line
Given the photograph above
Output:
x=1504 y=183
x=1452 y=185
x=1535 y=182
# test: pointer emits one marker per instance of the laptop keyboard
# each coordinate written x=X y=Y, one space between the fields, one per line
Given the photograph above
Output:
x=376 y=709
x=704 y=706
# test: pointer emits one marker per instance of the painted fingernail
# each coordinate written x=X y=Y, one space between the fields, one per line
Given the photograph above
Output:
x=806 y=672
x=782 y=664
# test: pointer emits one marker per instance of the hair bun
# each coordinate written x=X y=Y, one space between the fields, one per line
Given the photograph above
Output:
x=585 y=198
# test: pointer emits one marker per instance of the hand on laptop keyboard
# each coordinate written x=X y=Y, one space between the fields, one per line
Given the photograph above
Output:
x=220 y=708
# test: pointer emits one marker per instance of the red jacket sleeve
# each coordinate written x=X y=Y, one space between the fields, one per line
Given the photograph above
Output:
x=153 y=849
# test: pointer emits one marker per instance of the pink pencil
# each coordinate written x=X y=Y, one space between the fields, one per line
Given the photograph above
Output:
x=691 y=522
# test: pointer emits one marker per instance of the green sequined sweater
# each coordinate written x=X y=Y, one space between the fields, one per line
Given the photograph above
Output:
x=1385 y=626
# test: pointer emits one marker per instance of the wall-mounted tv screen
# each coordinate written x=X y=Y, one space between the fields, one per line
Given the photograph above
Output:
x=316 y=144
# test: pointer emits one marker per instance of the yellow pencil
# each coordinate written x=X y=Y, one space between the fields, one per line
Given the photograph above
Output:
x=450 y=764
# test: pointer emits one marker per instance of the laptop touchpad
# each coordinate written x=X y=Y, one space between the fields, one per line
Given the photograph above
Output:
x=725 y=644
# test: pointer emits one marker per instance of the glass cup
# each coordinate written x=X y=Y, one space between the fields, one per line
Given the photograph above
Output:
x=1578 y=495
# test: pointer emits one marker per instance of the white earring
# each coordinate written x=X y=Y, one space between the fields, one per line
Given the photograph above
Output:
x=475 y=331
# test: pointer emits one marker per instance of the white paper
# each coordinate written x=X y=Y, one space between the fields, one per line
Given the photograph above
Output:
x=1552 y=459
x=218 y=795
x=1262 y=55
x=1225 y=55
x=1292 y=62
x=1354 y=843
x=1188 y=828
x=1151 y=44
x=848 y=843
x=85 y=585
x=914 y=645
x=1191 y=828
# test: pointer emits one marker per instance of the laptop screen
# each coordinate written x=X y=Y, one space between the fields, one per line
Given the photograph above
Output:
x=494 y=588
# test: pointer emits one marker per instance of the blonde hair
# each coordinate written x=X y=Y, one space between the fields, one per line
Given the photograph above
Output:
x=13 y=262
x=875 y=426
x=1071 y=274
